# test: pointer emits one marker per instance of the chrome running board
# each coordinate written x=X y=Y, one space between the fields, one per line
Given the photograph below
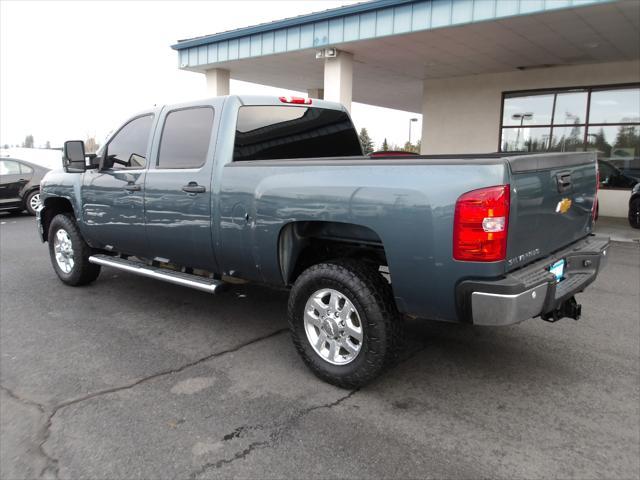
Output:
x=139 y=268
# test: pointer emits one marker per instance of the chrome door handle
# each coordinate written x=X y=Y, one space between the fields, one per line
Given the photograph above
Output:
x=193 y=187
x=132 y=187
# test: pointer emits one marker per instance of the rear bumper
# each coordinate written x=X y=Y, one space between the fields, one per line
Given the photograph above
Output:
x=532 y=290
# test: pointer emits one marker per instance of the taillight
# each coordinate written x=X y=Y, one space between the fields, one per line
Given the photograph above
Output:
x=480 y=225
x=296 y=100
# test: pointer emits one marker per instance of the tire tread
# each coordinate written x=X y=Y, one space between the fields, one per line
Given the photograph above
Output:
x=376 y=298
x=83 y=271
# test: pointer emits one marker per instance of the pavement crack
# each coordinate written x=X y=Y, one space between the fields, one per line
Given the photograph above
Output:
x=278 y=431
x=21 y=399
x=52 y=464
x=170 y=371
x=50 y=470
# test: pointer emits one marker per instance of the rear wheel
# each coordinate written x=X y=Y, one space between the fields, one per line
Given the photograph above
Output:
x=70 y=253
x=634 y=213
x=32 y=202
x=344 y=322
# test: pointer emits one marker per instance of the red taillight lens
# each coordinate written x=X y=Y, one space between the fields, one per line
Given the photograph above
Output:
x=480 y=225
x=296 y=100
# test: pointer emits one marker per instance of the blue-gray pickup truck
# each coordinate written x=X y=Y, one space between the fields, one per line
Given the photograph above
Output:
x=277 y=191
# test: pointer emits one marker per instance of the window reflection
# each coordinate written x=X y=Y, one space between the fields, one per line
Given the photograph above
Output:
x=527 y=139
x=612 y=127
x=529 y=110
x=571 y=108
x=615 y=106
x=567 y=139
x=620 y=147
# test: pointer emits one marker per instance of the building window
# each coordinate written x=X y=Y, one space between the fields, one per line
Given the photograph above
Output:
x=604 y=119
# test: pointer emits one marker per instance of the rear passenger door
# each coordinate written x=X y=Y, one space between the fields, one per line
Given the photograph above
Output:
x=178 y=187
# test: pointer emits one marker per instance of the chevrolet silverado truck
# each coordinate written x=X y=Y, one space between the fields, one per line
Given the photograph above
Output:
x=277 y=191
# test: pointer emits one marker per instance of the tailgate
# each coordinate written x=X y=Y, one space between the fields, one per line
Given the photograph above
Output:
x=551 y=205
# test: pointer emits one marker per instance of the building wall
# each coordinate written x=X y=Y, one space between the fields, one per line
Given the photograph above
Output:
x=462 y=114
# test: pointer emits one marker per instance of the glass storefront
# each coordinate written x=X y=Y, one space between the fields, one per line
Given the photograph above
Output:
x=604 y=119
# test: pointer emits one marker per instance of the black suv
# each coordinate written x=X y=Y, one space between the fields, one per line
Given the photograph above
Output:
x=20 y=185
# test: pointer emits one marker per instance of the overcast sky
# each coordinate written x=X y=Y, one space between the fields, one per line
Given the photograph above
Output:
x=74 y=69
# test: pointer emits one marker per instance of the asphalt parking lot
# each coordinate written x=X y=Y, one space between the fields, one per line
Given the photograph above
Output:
x=134 y=378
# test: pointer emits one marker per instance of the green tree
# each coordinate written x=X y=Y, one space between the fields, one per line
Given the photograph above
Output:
x=598 y=142
x=366 y=142
x=385 y=145
x=410 y=147
x=28 y=141
x=627 y=136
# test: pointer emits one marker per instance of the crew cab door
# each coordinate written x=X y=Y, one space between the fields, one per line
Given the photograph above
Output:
x=113 y=195
x=178 y=194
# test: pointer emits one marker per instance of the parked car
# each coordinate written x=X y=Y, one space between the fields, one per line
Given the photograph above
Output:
x=634 y=207
x=20 y=185
x=612 y=177
x=277 y=191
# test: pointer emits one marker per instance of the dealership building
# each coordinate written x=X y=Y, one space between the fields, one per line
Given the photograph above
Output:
x=486 y=75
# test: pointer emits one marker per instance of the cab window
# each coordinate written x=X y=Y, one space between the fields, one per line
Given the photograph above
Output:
x=285 y=132
x=128 y=147
x=185 y=138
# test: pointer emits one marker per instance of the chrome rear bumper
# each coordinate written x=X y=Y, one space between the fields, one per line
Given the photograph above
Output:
x=533 y=290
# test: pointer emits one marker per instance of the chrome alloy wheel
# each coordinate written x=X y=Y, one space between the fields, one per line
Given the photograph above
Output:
x=34 y=202
x=333 y=326
x=63 y=249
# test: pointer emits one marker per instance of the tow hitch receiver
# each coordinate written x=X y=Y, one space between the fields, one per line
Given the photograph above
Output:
x=569 y=308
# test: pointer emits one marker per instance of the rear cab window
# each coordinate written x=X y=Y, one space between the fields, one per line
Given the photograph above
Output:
x=185 y=138
x=292 y=132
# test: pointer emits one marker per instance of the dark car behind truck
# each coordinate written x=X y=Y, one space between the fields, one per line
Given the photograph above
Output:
x=277 y=191
x=20 y=185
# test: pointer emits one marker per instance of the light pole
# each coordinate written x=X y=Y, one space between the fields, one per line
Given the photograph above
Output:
x=522 y=117
x=411 y=120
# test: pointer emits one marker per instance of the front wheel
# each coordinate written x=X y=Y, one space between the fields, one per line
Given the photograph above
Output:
x=344 y=322
x=634 y=213
x=70 y=253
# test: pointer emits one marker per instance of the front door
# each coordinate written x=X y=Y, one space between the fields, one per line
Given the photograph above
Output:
x=178 y=188
x=113 y=196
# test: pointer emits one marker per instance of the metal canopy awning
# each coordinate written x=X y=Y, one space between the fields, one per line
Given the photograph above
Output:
x=398 y=44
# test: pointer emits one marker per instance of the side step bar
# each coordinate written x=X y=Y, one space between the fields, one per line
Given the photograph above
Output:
x=139 y=268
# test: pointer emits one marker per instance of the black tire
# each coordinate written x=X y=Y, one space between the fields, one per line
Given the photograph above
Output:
x=371 y=295
x=27 y=201
x=82 y=272
x=634 y=213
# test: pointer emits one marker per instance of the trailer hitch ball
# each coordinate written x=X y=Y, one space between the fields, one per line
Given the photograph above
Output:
x=569 y=308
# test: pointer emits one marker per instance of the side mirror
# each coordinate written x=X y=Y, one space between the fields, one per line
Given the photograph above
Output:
x=73 y=156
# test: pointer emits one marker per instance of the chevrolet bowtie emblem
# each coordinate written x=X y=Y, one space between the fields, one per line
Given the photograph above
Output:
x=563 y=205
